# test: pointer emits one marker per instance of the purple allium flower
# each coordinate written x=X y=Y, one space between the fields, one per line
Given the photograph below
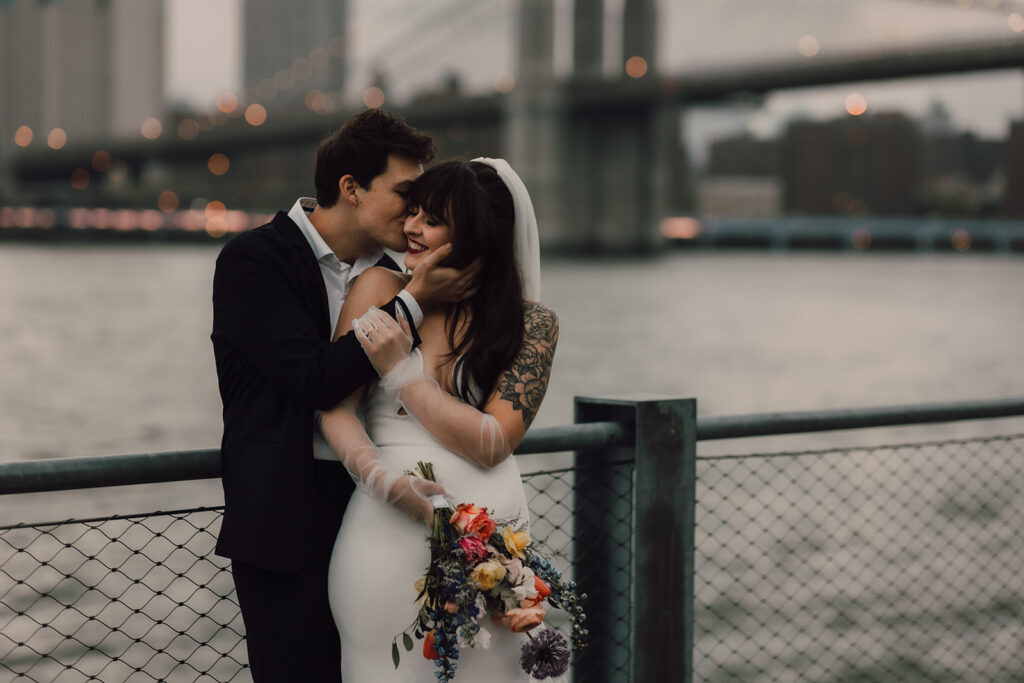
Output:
x=545 y=655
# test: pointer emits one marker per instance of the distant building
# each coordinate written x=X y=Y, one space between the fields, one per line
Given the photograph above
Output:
x=293 y=47
x=1014 y=203
x=809 y=157
x=882 y=164
x=91 y=68
x=854 y=165
x=743 y=155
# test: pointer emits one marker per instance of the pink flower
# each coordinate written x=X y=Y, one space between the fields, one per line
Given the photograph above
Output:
x=474 y=548
x=514 y=568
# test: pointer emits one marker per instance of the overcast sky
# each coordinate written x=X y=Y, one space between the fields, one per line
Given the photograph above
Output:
x=417 y=43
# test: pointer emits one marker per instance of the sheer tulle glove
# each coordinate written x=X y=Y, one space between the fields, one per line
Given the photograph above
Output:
x=464 y=430
x=410 y=494
x=472 y=434
x=385 y=340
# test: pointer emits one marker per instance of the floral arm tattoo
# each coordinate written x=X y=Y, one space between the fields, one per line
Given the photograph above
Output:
x=526 y=382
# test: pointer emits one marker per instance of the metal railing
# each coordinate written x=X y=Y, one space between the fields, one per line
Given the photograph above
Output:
x=810 y=566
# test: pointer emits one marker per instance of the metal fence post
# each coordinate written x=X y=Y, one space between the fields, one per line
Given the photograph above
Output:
x=640 y=610
x=663 y=539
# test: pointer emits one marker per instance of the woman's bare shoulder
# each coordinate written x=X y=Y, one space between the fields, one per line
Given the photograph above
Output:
x=381 y=281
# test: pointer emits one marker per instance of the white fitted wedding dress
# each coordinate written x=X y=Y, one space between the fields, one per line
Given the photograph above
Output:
x=380 y=554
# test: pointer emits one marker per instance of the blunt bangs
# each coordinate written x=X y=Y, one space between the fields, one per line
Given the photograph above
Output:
x=433 y=191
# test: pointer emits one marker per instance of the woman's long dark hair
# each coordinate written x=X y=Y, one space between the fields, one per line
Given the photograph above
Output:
x=474 y=202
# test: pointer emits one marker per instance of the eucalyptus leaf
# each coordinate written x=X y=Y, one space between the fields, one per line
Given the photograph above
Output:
x=408 y=641
x=394 y=653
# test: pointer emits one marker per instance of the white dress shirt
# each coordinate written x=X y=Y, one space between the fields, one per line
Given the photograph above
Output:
x=338 y=279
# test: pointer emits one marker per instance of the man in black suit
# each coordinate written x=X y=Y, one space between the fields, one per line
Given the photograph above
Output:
x=277 y=293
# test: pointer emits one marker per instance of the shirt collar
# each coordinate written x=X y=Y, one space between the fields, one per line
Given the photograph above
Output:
x=299 y=213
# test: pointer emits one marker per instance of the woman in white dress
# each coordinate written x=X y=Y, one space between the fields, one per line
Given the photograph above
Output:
x=462 y=400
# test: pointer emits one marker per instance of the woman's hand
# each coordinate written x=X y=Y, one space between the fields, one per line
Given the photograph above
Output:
x=385 y=340
x=433 y=284
x=346 y=436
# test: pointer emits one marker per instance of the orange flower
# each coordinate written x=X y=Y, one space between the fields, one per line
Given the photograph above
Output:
x=429 y=651
x=483 y=526
x=543 y=591
x=520 y=619
x=464 y=514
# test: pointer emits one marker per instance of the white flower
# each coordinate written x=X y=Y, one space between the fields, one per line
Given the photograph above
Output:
x=467 y=635
x=483 y=638
x=527 y=587
x=514 y=568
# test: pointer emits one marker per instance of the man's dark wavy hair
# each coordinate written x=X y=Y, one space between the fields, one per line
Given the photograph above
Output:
x=470 y=198
x=361 y=149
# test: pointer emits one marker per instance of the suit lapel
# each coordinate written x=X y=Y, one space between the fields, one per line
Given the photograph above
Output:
x=308 y=270
x=387 y=262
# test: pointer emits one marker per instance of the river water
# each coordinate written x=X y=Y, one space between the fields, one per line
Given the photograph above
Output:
x=105 y=350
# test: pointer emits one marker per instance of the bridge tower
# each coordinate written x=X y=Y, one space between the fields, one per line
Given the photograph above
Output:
x=534 y=117
x=603 y=171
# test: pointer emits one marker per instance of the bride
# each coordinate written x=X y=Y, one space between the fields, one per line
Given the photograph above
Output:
x=462 y=400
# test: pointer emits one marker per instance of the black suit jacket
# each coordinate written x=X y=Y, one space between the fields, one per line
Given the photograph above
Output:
x=275 y=366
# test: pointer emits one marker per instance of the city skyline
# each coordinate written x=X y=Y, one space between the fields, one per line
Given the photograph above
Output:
x=415 y=50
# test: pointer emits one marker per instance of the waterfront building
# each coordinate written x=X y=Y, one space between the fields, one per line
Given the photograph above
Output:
x=852 y=166
x=90 y=68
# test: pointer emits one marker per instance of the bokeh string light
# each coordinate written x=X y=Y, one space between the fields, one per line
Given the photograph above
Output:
x=100 y=161
x=23 y=136
x=218 y=164
x=636 y=67
x=57 y=138
x=856 y=104
x=808 y=46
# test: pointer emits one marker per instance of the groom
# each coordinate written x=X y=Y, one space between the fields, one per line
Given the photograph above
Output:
x=277 y=293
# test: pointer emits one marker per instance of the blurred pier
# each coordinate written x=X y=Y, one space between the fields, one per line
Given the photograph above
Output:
x=781 y=233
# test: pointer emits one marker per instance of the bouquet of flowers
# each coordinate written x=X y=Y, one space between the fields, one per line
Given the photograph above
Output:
x=479 y=568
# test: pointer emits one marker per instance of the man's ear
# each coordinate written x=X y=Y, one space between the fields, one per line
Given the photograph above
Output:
x=347 y=186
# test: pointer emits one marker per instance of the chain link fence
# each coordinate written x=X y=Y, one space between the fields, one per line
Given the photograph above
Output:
x=582 y=516
x=143 y=597
x=895 y=563
x=125 y=598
